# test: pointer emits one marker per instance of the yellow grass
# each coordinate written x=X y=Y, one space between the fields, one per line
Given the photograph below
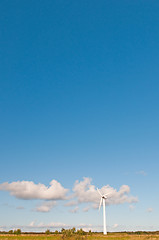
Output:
x=110 y=236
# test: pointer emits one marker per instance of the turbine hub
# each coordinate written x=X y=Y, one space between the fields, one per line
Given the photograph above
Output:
x=104 y=197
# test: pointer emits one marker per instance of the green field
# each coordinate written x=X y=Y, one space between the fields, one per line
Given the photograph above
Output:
x=110 y=236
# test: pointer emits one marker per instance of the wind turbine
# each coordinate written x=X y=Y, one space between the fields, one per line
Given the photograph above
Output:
x=103 y=199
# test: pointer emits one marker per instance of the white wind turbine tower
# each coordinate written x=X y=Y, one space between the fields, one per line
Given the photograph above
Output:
x=103 y=199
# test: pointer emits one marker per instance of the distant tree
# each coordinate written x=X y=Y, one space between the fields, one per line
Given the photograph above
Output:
x=81 y=232
x=63 y=230
x=10 y=231
x=18 y=231
x=47 y=232
x=56 y=232
x=90 y=232
x=73 y=230
x=67 y=233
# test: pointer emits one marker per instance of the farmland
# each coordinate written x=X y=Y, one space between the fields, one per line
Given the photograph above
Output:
x=93 y=236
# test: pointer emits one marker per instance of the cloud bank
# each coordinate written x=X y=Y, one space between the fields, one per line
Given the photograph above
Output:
x=45 y=206
x=40 y=227
x=29 y=190
x=85 y=192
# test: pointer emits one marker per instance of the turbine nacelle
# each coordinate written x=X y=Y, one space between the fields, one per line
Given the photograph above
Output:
x=104 y=196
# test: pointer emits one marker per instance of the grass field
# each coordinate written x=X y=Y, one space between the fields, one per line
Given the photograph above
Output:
x=110 y=236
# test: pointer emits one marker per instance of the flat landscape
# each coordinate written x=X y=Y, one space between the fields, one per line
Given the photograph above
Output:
x=111 y=236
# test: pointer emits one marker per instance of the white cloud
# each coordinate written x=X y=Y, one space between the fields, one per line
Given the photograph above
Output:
x=41 y=227
x=149 y=210
x=86 y=209
x=20 y=208
x=2 y=229
x=7 y=205
x=32 y=224
x=115 y=225
x=131 y=207
x=142 y=172
x=74 y=210
x=71 y=203
x=45 y=206
x=30 y=190
x=53 y=225
x=84 y=191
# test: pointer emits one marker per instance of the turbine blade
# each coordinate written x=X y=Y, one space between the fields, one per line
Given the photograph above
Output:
x=106 y=194
x=99 y=192
x=100 y=204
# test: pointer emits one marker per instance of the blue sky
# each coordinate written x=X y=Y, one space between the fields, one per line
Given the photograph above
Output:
x=79 y=98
